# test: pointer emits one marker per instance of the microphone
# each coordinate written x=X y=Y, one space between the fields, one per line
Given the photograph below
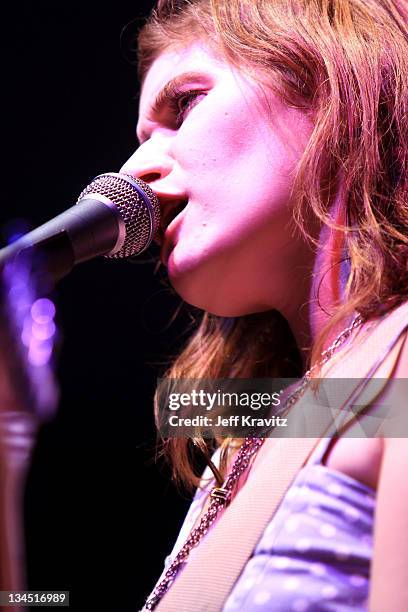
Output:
x=116 y=216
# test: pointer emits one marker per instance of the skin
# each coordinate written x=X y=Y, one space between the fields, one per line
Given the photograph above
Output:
x=389 y=586
x=233 y=249
x=233 y=158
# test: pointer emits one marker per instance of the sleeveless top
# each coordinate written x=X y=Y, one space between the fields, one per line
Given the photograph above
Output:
x=314 y=554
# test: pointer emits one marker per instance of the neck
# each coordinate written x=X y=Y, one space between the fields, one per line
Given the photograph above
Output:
x=321 y=294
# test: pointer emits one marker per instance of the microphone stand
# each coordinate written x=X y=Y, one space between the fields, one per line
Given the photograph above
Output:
x=28 y=396
x=17 y=438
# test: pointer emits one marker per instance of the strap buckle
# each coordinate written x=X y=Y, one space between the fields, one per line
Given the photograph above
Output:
x=221 y=494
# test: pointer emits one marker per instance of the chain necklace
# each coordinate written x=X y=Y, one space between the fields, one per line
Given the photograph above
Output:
x=222 y=495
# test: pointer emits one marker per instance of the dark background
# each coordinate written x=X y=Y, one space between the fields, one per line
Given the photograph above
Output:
x=100 y=514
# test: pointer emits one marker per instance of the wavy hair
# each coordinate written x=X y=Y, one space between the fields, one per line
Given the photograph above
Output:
x=346 y=61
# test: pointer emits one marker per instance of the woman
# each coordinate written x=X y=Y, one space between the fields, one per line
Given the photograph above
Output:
x=275 y=136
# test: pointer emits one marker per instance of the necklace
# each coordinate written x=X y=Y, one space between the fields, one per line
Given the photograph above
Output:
x=222 y=495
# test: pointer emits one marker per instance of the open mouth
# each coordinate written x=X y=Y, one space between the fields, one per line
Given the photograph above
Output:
x=170 y=212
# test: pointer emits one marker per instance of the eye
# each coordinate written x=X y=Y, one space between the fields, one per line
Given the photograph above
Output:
x=172 y=105
x=182 y=102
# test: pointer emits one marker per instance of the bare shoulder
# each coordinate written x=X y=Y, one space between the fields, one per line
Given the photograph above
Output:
x=362 y=459
x=396 y=449
x=389 y=589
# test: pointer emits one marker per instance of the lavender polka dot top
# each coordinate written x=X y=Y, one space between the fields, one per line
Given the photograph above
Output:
x=315 y=553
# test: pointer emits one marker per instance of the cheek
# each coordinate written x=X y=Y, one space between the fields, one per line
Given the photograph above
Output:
x=236 y=157
x=215 y=134
x=239 y=171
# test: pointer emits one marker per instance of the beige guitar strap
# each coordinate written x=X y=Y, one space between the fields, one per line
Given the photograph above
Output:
x=215 y=565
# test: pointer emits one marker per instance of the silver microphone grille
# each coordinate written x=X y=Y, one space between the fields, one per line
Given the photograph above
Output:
x=137 y=206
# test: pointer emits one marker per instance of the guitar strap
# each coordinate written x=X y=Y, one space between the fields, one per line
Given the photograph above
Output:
x=214 y=567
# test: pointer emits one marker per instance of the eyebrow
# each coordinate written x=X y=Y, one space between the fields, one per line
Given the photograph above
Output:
x=174 y=83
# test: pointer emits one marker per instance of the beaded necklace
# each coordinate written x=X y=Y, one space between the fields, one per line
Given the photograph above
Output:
x=221 y=495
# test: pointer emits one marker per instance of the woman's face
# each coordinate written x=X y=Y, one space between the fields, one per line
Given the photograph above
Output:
x=222 y=154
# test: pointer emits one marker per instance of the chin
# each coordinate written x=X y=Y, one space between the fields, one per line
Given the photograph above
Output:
x=212 y=286
x=216 y=301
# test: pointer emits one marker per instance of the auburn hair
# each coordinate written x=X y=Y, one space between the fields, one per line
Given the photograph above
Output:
x=346 y=62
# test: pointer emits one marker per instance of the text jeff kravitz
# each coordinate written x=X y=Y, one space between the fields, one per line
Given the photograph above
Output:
x=230 y=421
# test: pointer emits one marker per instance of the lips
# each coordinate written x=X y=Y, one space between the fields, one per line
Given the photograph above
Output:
x=166 y=239
x=169 y=211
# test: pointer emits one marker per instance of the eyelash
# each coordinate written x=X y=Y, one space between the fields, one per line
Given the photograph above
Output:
x=174 y=99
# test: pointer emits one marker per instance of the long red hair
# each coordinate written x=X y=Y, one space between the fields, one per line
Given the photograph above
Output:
x=345 y=61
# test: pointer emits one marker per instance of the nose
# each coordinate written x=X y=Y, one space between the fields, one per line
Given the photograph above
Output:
x=149 y=163
x=153 y=163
